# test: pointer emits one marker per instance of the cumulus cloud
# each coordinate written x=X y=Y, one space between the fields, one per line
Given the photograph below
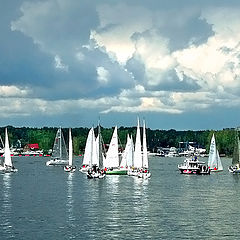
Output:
x=13 y=91
x=122 y=57
x=215 y=64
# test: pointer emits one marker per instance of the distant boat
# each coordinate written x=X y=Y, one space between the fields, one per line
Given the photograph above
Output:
x=235 y=167
x=70 y=167
x=59 y=154
x=7 y=165
x=111 y=162
x=214 y=161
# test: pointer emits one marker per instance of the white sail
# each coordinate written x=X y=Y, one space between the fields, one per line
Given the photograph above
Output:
x=214 y=161
x=145 y=155
x=131 y=153
x=90 y=153
x=112 y=158
x=70 y=149
x=137 y=162
x=125 y=154
x=95 y=149
x=7 y=154
x=97 y=145
x=220 y=166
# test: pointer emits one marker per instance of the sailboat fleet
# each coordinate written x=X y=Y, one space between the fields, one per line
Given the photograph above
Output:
x=133 y=162
x=97 y=162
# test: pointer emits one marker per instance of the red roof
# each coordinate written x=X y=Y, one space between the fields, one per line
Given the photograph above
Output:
x=33 y=146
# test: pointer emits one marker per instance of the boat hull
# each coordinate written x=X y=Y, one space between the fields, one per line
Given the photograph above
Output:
x=95 y=175
x=84 y=169
x=116 y=172
x=133 y=173
x=8 y=169
x=69 y=168
x=56 y=163
x=233 y=170
x=144 y=175
x=213 y=170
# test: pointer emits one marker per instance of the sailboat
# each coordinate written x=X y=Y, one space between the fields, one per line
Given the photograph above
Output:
x=93 y=157
x=235 y=167
x=70 y=167
x=214 y=161
x=111 y=162
x=90 y=153
x=100 y=153
x=144 y=172
x=137 y=159
x=59 y=153
x=7 y=164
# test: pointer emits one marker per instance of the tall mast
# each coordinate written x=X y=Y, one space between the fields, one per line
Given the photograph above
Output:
x=70 y=148
x=100 y=156
x=60 y=136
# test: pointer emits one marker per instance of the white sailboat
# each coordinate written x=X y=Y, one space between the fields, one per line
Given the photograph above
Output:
x=95 y=154
x=112 y=158
x=100 y=152
x=111 y=162
x=214 y=161
x=90 y=157
x=59 y=153
x=144 y=172
x=7 y=164
x=70 y=167
x=137 y=159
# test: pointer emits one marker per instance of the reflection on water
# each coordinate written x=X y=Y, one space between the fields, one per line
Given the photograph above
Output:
x=70 y=201
x=71 y=219
x=6 y=208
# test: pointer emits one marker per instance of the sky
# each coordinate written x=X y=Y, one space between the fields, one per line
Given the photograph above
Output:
x=68 y=63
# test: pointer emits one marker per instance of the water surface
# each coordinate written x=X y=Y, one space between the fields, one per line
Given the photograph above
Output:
x=42 y=202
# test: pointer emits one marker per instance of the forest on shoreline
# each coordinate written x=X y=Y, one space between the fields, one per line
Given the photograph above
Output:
x=155 y=138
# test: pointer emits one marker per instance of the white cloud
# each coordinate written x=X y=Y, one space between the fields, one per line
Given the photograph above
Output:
x=117 y=40
x=103 y=75
x=13 y=91
x=59 y=64
x=214 y=66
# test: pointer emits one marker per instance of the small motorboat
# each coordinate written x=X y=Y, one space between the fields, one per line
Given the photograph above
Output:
x=193 y=166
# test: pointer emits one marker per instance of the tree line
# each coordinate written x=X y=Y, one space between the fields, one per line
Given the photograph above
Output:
x=155 y=138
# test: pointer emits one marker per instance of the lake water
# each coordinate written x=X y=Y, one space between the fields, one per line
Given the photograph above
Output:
x=42 y=202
